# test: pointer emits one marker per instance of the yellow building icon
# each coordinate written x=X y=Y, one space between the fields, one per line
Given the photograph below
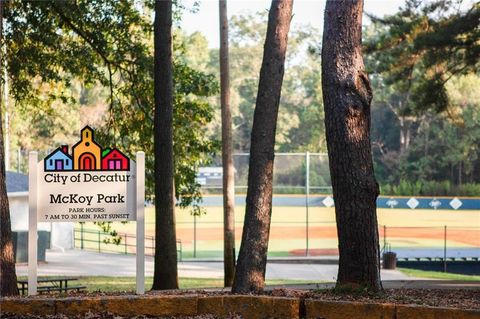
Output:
x=87 y=155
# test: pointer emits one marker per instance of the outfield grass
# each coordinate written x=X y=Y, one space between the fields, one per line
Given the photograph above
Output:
x=437 y=275
x=120 y=284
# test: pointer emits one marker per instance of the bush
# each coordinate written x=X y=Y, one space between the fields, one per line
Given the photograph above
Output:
x=429 y=188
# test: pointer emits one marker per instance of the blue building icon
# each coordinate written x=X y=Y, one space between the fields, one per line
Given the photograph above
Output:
x=59 y=160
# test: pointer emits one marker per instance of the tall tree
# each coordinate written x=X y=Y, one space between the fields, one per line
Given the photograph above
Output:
x=51 y=45
x=252 y=260
x=56 y=43
x=347 y=96
x=412 y=56
x=165 y=272
x=300 y=121
x=227 y=153
x=8 y=277
x=427 y=43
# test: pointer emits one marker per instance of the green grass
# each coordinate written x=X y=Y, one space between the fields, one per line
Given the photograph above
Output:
x=437 y=275
x=119 y=284
x=111 y=284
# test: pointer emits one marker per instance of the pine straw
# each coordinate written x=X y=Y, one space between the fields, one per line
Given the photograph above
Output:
x=450 y=298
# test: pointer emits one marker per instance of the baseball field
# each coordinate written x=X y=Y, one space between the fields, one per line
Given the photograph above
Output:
x=416 y=233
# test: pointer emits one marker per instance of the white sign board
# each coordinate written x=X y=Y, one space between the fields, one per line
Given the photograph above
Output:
x=85 y=196
x=90 y=183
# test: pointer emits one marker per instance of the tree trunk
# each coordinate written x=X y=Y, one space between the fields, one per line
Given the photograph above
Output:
x=347 y=95
x=405 y=125
x=227 y=156
x=165 y=272
x=8 y=277
x=252 y=260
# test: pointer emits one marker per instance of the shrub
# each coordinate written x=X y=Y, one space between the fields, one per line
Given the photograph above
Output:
x=429 y=188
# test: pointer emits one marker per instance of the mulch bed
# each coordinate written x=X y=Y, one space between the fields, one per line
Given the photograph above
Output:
x=453 y=298
x=112 y=316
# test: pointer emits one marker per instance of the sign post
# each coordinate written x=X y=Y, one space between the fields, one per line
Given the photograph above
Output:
x=140 y=197
x=32 y=223
x=90 y=184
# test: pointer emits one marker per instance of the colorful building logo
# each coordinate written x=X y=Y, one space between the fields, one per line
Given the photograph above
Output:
x=86 y=155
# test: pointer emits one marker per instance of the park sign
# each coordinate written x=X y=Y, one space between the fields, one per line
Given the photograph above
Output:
x=90 y=184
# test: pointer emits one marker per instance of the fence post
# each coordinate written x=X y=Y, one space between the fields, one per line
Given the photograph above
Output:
x=18 y=160
x=126 y=236
x=81 y=236
x=445 y=248
x=194 y=236
x=153 y=245
x=99 y=241
x=307 y=193
x=384 y=236
x=32 y=223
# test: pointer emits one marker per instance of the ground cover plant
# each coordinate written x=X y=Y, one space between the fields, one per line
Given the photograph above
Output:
x=438 y=275
x=109 y=284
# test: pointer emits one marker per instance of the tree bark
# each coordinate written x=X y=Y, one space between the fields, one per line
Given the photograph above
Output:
x=227 y=153
x=405 y=125
x=252 y=260
x=8 y=277
x=165 y=270
x=347 y=96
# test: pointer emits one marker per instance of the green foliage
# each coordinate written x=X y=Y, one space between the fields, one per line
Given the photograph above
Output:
x=300 y=120
x=107 y=43
x=113 y=236
x=123 y=284
x=424 y=64
x=437 y=275
x=430 y=188
x=422 y=46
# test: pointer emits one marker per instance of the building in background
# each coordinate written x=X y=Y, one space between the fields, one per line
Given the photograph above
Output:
x=61 y=234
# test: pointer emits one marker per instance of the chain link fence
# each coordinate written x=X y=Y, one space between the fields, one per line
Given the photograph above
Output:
x=294 y=173
x=302 y=223
x=203 y=240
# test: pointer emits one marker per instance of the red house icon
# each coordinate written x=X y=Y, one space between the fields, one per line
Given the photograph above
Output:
x=114 y=160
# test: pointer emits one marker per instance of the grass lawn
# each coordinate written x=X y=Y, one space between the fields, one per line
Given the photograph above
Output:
x=437 y=275
x=119 y=284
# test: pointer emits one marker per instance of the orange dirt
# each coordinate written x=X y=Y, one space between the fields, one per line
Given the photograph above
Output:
x=466 y=236
x=315 y=252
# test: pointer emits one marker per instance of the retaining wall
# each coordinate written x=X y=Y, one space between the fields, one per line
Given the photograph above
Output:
x=250 y=307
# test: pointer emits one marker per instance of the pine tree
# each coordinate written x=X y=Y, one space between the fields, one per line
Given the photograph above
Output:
x=252 y=259
x=347 y=96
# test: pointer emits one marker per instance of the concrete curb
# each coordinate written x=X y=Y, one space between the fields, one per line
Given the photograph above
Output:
x=247 y=306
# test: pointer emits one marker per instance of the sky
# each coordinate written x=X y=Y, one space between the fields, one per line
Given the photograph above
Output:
x=304 y=12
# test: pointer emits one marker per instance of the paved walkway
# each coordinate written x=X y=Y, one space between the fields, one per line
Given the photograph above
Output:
x=85 y=263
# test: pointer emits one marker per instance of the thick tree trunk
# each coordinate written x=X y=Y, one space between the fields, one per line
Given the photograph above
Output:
x=8 y=277
x=252 y=260
x=227 y=156
x=165 y=272
x=347 y=96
